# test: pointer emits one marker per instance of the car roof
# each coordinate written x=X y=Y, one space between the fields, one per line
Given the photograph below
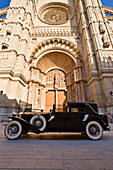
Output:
x=81 y=103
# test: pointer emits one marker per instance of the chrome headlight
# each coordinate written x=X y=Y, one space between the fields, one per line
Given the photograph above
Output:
x=14 y=114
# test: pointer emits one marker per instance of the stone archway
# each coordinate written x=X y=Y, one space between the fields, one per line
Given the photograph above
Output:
x=40 y=93
x=56 y=65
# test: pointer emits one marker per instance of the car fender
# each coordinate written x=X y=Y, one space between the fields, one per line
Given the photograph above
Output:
x=94 y=118
x=25 y=123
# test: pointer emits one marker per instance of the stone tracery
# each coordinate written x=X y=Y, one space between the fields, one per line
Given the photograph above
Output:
x=55 y=13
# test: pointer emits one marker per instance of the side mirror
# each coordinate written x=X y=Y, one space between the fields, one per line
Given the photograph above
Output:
x=50 y=110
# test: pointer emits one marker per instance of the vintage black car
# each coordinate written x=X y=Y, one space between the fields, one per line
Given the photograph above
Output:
x=79 y=117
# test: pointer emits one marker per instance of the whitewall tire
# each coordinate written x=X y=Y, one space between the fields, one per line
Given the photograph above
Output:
x=13 y=130
x=94 y=130
x=39 y=122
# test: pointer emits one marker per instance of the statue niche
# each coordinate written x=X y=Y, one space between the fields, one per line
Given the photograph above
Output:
x=56 y=77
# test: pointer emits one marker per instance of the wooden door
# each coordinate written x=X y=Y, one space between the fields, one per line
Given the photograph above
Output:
x=50 y=100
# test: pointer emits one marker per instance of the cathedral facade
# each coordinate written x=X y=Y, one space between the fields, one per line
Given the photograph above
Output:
x=55 y=51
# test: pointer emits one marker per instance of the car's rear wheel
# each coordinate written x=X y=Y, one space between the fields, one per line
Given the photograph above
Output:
x=94 y=130
x=39 y=122
x=13 y=130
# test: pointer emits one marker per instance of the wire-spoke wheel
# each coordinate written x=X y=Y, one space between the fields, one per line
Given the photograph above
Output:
x=39 y=122
x=94 y=130
x=13 y=130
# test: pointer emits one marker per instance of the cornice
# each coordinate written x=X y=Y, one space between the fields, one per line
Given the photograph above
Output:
x=3 y=11
x=110 y=18
x=42 y=32
x=2 y=19
x=15 y=76
x=108 y=10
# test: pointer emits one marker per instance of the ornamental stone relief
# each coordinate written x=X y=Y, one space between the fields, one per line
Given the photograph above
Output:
x=56 y=77
x=55 y=17
x=55 y=13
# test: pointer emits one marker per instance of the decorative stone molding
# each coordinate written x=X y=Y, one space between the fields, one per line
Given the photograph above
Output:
x=3 y=57
x=108 y=62
x=5 y=46
x=55 y=13
x=108 y=10
x=14 y=76
x=106 y=41
x=55 y=32
x=55 y=60
x=2 y=20
x=102 y=28
x=21 y=15
x=58 y=43
x=107 y=59
x=3 y=11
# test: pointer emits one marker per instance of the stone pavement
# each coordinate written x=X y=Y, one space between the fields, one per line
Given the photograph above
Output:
x=56 y=152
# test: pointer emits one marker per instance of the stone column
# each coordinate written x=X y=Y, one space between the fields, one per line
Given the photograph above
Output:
x=86 y=35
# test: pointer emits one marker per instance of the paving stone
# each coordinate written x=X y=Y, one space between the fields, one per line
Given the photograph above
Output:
x=3 y=164
x=78 y=164
x=32 y=153
x=102 y=164
x=50 y=164
x=39 y=157
x=22 y=163
x=8 y=169
x=25 y=169
x=74 y=153
x=5 y=160
x=52 y=153
x=63 y=157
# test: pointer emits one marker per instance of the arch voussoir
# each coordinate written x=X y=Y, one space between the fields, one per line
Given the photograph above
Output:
x=55 y=43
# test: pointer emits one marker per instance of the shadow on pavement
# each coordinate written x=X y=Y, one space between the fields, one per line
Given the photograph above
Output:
x=55 y=136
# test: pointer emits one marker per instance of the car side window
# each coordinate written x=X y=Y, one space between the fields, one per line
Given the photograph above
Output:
x=81 y=109
x=74 y=109
x=77 y=109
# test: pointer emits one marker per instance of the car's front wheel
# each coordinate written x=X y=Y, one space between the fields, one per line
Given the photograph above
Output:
x=13 y=130
x=94 y=130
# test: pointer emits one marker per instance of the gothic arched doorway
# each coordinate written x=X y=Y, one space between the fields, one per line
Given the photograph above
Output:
x=56 y=91
x=56 y=78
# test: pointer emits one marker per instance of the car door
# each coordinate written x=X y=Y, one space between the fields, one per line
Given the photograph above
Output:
x=75 y=117
x=74 y=121
x=58 y=124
